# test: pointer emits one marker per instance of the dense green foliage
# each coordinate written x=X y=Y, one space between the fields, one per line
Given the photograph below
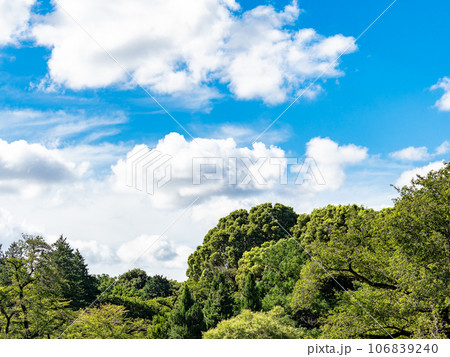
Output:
x=338 y=272
x=276 y=266
x=251 y=296
x=106 y=321
x=77 y=285
x=219 y=305
x=235 y=234
x=186 y=320
x=273 y=324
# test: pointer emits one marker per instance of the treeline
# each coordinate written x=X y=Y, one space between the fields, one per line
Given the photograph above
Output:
x=338 y=272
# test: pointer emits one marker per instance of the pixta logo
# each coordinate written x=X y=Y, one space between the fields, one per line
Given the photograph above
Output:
x=148 y=170
x=255 y=171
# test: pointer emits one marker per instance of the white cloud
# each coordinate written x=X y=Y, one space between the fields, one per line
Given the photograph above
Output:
x=181 y=47
x=444 y=148
x=269 y=63
x=153 y=252
x=14 y=16
x=331 y=159
x=57 y=127
x=192 y=161
x=406 y=177
x=23 y=164
x=94 y=252
x=443 y=103
x=244 y=134
x=411 y=154
x=211 y=168
x=9 y=230
x=99 y=156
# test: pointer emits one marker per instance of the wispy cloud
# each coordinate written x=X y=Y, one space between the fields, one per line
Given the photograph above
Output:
x=421 y=153
x=244 y=133
x=55 y=128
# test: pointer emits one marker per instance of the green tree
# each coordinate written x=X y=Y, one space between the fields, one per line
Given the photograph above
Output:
x=31 y=304
x=160 y=327
x=77 y=285
x=276 y=266
x=220 y=303
x=266 y=325
x=135 y=306
x=251 y=294
x=235 y=234
x=133 y=279
x=186 y=320
x=106 y=321
x=396 y=262
x=157 y=286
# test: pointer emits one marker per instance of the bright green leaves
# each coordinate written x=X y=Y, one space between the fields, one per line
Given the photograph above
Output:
x=237 y=233
x=106 y=321
x=276 y=266
x=273 y=324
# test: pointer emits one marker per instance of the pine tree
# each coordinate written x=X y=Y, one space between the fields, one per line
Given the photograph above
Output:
x=219 y=305
x=186 y=320
x=78 y=286
x=251 y=294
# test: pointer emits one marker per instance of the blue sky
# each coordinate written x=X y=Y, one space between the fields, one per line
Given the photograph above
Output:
x=383 y=101
x=378 y=115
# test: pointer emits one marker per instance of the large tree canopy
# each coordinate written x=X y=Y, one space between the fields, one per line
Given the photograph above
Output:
x=395 y=264
x=237 y=233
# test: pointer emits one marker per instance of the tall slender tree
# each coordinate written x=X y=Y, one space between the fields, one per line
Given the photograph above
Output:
x=219 y=305
x=186 y=320
x=78 y=286
x=251 y=294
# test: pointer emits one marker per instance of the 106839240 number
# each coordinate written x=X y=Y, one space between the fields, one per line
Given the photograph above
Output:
x=403 y=348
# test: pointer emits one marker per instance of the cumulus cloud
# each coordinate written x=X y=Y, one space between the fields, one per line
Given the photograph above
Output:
x=27 y=168
x=211 y=168
x=14 y=18
x=443 y=103
x=269 y=63
x=180 y=47
x=406 y=177
x=331 y=159
x=204 y=168
x=11 y=228
x=411 y=154
x=34 y=162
